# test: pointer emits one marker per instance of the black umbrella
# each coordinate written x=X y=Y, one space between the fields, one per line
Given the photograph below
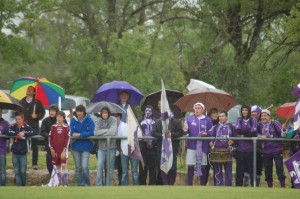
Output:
x=172 y=96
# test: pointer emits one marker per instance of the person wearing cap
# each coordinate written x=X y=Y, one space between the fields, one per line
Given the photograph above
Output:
x=82 y=126
x=197 y=125
x=271 y=149
x=45 y=130
x=246 y=126
x=256 y=112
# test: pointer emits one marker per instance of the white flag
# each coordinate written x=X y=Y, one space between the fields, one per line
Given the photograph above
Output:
x=166 y=150
x=134 y=132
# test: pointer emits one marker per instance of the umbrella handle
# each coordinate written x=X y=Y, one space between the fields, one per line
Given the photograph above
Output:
x=271 y=105
x=33 y=108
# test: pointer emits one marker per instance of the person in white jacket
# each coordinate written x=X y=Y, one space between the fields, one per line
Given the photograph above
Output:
x=122 y=147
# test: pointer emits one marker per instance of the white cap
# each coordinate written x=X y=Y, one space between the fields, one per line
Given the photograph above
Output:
x=265 y=111
x=199 y=104
x=253 y=108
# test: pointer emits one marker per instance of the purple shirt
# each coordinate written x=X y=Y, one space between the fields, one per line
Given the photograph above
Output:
x=244 y=125
x=4 y=126
x=222 y=130
x=197 y=125
x=272 y=129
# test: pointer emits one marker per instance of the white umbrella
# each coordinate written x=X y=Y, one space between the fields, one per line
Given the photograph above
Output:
x=196 y=84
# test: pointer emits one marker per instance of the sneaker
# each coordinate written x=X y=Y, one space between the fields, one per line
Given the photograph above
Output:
x=35 y=167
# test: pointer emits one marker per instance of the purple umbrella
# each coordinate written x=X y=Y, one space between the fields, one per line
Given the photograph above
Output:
x=110 y=92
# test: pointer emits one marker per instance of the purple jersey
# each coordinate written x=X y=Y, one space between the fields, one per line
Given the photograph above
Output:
x=248 y=127
x=197 y=125
x=272 y=129
x=222 y=131
x=4 y=126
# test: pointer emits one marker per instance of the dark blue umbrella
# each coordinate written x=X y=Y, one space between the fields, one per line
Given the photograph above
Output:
x=110 y=92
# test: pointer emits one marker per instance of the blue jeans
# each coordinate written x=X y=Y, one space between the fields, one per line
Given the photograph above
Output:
x=3 y=170
x=81 y=159
x=101 y=161
x=134 y=169
x=20 y=167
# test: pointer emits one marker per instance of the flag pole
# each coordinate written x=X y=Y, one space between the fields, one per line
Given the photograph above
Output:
x=59 y=103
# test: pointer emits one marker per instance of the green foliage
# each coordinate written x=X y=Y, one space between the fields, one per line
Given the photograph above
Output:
x=84 y=44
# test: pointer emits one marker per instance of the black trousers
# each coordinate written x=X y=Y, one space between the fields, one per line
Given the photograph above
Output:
x=35 y=151
x=244 y=163
x=150 y=167
x=48 y=158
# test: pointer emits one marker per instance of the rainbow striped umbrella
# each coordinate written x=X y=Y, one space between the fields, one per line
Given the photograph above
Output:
x=47 y=92
x=8 y=102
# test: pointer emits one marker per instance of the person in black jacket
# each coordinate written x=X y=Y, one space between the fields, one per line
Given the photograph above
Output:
x=19 y=147
x=33 y=112
x=175 y=132
x=148 y=149
x=45 y=129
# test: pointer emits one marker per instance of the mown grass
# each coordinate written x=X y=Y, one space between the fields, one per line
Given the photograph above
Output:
x=147 y=192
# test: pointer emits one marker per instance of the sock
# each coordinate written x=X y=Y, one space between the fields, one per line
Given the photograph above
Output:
x=59 y=177
x=282 y=183
x=190 y=174
x=246 y=179
x=66 y=180
x=270 y=184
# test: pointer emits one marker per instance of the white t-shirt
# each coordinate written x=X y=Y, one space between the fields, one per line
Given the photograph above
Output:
x=123 y=131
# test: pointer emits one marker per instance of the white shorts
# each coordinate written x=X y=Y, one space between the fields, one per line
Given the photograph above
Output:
x=191 y=157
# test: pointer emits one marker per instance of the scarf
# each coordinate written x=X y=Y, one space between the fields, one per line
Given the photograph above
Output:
x=199 y=146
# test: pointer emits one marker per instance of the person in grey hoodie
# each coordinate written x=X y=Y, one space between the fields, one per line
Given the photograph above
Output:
x=106 y=125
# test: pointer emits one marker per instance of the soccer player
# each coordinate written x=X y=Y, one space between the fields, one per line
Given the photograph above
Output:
x=59 y=138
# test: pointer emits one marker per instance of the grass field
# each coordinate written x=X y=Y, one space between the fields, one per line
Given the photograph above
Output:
x=144 y=192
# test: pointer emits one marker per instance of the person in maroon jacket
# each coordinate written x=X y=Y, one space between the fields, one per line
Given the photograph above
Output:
x=59 y=138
